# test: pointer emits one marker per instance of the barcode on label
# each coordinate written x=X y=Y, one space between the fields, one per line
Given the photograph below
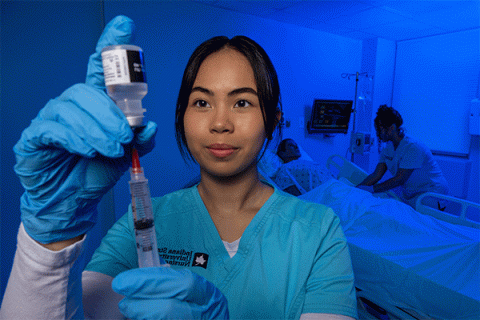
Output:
x=119 y=70
x=122 y=66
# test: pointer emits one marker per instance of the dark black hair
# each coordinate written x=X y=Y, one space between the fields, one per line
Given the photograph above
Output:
x=386 y=116
x=266 y=79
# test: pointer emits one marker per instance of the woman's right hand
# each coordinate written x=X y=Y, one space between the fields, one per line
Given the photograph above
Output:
x=75 y=150
x=166 y=293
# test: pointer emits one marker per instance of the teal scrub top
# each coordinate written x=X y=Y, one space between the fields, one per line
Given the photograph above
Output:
x=413 y=154
x=292 y=258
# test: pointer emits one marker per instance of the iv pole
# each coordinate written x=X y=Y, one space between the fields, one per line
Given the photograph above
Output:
x=354 y=111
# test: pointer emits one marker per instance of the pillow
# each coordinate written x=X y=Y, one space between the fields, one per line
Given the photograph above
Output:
x=270 y=162
x=304 y=155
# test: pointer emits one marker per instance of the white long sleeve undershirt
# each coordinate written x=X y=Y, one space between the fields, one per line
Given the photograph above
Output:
x=46 y=284
x=43 y=284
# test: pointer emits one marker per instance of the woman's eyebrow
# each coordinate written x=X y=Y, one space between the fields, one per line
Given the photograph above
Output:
x=203 y=90
x=231 y=93
x=242 y=90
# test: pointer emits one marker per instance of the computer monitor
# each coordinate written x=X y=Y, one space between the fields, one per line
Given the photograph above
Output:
x=330 y=116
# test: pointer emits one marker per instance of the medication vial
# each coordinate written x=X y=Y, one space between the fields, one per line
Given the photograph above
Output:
x=124 y=72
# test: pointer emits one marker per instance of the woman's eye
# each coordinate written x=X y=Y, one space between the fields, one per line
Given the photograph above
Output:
x=242 y=104
x=201 y=104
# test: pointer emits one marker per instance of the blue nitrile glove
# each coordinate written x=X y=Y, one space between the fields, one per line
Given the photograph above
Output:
x=165 y=293
x=75 y=150
x=366 y=188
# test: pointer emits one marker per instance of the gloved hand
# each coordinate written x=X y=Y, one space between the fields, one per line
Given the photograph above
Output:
x=165 y=293
x=366 y=188
x=75 y=150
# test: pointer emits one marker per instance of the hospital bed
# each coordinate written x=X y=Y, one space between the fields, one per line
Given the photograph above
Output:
x=456 y=211
x=408 y=264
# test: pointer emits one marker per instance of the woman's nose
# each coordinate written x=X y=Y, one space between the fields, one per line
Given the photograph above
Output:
x=221 y=120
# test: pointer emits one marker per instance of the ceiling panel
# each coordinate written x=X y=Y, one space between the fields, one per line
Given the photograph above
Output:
x=394 y=20
x=405 y=29
x=464 y=16
x=367 y=19
x=411 y=7
x=323 y=11
x=261 y=8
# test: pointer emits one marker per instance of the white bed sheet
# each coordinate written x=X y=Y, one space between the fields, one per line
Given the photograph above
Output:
x=407 y=259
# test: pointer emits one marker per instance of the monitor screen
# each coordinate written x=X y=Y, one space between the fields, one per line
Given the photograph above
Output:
x=330 y=116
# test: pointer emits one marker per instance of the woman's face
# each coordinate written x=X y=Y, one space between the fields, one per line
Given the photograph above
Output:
x=384 y=133
x=223 y=121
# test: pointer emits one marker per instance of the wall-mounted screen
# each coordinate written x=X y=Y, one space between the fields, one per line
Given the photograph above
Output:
x=330 y=116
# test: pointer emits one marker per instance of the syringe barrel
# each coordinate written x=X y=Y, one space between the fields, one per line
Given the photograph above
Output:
x=147 y=248
x=141 y=200
x=143 y=222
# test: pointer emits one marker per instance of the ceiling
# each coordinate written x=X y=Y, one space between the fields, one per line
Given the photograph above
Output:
x=364 y=19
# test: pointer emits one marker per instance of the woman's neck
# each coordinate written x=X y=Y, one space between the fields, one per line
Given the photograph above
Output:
x=233 y=202
x=233 y=193
x=397 y=139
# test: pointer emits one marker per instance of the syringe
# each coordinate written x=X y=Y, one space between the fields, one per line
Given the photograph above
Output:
x=143 y=216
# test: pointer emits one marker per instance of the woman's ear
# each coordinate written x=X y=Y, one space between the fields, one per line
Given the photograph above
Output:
x=278 y=118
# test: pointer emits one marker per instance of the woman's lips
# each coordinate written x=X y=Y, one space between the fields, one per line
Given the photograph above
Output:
x=221 y=150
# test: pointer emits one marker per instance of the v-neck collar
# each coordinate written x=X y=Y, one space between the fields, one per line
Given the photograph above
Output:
x=248 y=237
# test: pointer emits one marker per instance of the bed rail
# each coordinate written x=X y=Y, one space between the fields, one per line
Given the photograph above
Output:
x=340 y=167
x=381 y=309
x=424 y=206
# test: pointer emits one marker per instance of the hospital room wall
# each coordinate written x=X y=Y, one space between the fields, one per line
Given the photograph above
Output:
x=44 y=49
x=436 y=78
x=376 y=67
x=374 y=89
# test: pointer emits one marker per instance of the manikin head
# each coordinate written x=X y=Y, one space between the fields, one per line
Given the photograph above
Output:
x=288 y=150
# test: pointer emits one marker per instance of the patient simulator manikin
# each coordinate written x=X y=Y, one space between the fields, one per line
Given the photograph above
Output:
x=298 y=176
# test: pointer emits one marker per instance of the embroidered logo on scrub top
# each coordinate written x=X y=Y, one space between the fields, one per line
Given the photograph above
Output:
x=200 y=260
x=176 y=257
x=183 y=258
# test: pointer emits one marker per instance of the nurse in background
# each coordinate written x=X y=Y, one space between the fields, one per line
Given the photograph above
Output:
x=409 y=161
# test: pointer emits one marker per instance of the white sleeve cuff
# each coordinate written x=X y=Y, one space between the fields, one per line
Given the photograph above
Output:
x=43 y=284
x=38 y=254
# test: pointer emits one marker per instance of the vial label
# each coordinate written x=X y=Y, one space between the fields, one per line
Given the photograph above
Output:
x=121 y=66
